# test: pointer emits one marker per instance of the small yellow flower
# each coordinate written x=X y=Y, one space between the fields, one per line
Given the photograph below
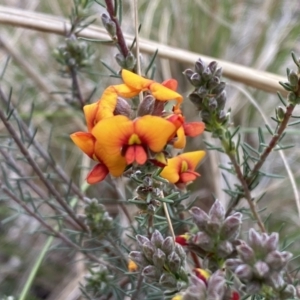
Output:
x=132 y=266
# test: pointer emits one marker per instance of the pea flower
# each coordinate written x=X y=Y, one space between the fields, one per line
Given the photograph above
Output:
x=132 y=86
x=118 y=141
x=181 y=169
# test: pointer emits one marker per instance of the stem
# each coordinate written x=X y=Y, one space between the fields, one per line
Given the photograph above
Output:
x=41 y=150
x=169 y=219
x=76 y=88
x=247 y=194
x=39 y=172
x=121 y=40
x=276 y=137
x=54 y=232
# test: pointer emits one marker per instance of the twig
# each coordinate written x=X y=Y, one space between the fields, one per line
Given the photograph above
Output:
x=39 y=172
x=168 y=217
x=138 y=287
x=46 y=23
x=246 y=191
x=41 y=150
x=56 y=233
x=76 y=88
x=121 y=40
x=34 y=186
x=276 y=137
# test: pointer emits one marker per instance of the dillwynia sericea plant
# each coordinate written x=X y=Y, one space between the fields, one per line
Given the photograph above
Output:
x=136 y=133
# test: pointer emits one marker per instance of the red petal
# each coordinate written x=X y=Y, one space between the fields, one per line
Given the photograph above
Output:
x=140 y=154
x=188 y=176
x=193 y=128
x=130 y=155
x=170 y=84
x=98 y=173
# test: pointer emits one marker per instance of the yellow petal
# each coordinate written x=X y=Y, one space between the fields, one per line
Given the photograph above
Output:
x=135 y=81
x=84 y=141
x=163 y=93
x=154 y=131
x=180 y=140
x=90 y=112
x=111 y=135
x=125 y=91
x=171 y=171
x=192 y=158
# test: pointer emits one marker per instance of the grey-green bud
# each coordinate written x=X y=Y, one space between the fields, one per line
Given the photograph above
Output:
x=199 y=66
x=150 y=272
x=244 y=272
x=168 y=281
x=168 y=245
x=130 y=61
x=174 y=262
x=246 y=253
x=231 y=227
x=159 y=258
x=148 y=250
x=157 y=238
x=261 y=269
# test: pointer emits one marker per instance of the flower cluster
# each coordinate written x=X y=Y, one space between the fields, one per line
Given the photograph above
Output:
x=118 y=142
x=161 y=261
x=260 y=265
x=97 y=218
x=214 y=288
x=209 y=95
x=217 y=235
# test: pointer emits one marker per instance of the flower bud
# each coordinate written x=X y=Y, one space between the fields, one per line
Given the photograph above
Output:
x=213 y=82
x=132 y=266
x=168 y=245
x=199 y=66
x=255 y=240
x=150 y=272
x=231 y=227
x=221 y=100
x=196 y=99
x=219 y=88
x=218 y=72
x=188 y=74
x=199 y=217
x=196 y=79
x=216 y=286
x=167 y=281
x=213 y=66
x=180 y=251
x=141 y=240
x=130 y=61
x=204 y=241
x=293 y=79
x=157 y=238
x=174 y=262
x=146 y=106
x=246 y=253
x=148 y=250
x=253 y=287
x=217 y=212
x=286 y=255
x=122 y=108
x=138 y=257
x=261 y=269
x=224 y=249
x=207 y=74
x=280 y=112
x=158 y=108
x=212 y=104
x=159 y=258
x=289 y=292
x=244 y=272
x=275 y=280
x=275 y=260
x=233 y=263
x=292 y=97
x=109 y=25
x=120 y=59
x=202 y=91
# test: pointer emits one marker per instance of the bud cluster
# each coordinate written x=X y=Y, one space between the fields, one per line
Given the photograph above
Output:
x=260 y=265
x=98 y=281
x=292 y=86
x=217 y=235
x=98 y=219
x=209 y=95
x=73 y=54
x=215 y=288
x=161 y=261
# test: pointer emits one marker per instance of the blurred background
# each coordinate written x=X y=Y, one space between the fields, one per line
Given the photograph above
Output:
x=253 y=33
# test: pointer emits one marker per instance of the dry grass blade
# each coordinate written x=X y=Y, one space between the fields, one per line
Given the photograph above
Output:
x=261 y=80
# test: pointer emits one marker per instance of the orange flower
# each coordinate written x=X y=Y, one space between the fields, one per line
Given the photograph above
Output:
x=86 y=142
x=180 y=169
x=187 y=129
x=133 y=85
x=119 y=136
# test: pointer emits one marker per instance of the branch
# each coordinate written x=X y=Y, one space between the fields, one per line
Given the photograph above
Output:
x=46 y=23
